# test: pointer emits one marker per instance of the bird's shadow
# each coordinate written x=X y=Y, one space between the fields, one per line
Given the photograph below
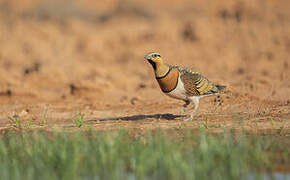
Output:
x=166 y=116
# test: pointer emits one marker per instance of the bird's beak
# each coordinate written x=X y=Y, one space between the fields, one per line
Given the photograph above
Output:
x=147 y=57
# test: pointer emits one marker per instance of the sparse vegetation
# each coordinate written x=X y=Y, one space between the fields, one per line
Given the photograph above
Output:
x=95 y=155
x=15 y=121
x=206 y=123
x=44 y=119
x=28 y=123
x=272 y=121
x=79 y=119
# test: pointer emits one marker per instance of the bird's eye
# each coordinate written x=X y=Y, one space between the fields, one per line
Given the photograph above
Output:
x=154 y=55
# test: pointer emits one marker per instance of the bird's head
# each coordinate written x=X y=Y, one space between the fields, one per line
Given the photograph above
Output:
x=154 y=59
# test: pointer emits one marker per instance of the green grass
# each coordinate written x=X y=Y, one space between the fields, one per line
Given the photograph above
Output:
x=206 y=123
x=155 y=155
x=79 y=119
x=15 y=121
x=44 y=119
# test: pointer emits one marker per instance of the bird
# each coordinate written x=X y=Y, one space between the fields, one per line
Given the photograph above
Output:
x=182 y=83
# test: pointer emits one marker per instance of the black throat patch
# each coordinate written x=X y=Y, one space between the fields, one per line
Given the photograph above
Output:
x=153 y=64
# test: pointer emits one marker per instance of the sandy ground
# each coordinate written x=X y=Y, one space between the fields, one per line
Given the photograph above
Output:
x=87 y=56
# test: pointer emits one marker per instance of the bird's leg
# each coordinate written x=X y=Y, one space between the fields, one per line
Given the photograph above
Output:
x=195 y=101
x=184 y=106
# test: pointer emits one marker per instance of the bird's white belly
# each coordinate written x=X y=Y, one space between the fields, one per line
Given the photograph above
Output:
x=179 y=92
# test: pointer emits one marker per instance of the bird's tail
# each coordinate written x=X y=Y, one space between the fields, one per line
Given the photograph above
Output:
x=220 y=88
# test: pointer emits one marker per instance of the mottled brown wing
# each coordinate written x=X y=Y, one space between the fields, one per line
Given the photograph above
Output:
x=195 y=84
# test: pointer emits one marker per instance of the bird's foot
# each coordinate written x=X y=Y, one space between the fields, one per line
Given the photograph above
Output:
x=182 y=111
x=189 y=118
x=191 y=115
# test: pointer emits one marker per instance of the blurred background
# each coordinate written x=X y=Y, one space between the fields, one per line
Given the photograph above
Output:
x=91 y=52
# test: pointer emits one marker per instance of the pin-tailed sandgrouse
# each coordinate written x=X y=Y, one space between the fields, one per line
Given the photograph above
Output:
x=182 y=83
